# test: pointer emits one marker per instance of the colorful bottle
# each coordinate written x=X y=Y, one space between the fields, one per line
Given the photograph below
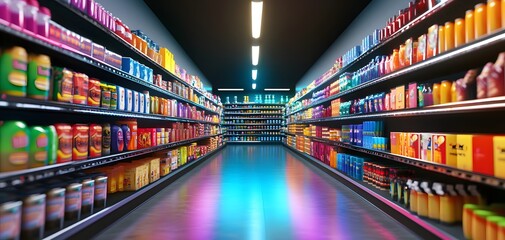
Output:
x=469 y=26
x=445 y=92
x=52 y=142
x=441 y=39
x=14 y=147
x=39 y=73
x=13 y=68
x=38 y=147
x=63 y=85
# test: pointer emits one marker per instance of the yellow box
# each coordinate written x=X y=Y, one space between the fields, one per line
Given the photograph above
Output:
x=132 y=177
x=165 y=162
x=499 y=156
x=165 y=58
x=400 y=97
x=443 y=152
x=154 y=169
x=464 y=150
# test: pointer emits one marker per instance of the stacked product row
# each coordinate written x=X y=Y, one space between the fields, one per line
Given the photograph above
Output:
x=248 y=111
x=485 y=19
x=162 y=56
x=265 y=127
x=252 y=139
x=489 y=83
x=37 y=146
x=258 y=122
x=269 y=99
x=33 y=76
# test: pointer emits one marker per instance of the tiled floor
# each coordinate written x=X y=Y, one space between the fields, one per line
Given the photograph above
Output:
x=256 y=192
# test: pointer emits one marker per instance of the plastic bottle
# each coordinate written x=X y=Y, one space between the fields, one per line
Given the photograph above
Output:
x=30 y=11
x=13 y=66
x=43 y=18
x=16 y=12
x=4 y=10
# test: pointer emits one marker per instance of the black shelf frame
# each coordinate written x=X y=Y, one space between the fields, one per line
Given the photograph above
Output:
x=125 y=202
x=16 y=178
x=419 y=163
x=470 y=106
x=62 y=11
x=367 y=56
x=426 y=229
x=486 y=44
x=69 y=54
x=24 y=104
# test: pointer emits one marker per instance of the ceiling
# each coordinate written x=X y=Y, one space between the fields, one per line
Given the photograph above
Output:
x=217 y=37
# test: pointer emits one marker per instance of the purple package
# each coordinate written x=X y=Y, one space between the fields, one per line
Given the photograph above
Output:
x=83 y=5
x=75 y=3
x=86 y=46
x=55 y=31
x=98 y=52
x=4 y=11
x=90 y=8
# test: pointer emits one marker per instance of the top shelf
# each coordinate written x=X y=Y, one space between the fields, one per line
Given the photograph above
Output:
x=89 y=28
x=421 y=23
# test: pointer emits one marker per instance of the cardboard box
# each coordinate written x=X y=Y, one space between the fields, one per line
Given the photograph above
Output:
x=443 y=151
x=414 y=147
x=426 y=147
x=132 y=176
x=154 y=169
x=394 y=136
x=483 y=154
x=464 y=150
x=499 y=156
x=400 y=97
x=432 y=41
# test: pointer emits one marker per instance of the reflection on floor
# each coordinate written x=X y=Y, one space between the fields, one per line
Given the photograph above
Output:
x=256 y=192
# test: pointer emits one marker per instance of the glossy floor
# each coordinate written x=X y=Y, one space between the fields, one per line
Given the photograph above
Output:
x=256 y=192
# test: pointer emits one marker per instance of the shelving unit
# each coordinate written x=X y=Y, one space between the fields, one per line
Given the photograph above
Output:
x=478 y=116
x=37 y=112
x=251 y=129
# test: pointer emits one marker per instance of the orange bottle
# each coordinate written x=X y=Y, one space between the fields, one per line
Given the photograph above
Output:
x=445 y=92
x=502 y=13
x=441 y=39
x=480 y=20
x=469 y=26
x=493 y=15
x=449 y=36
x=459 y=32
x=436 y=93
x=395 y=61
x=401 y=54
x=454 y=95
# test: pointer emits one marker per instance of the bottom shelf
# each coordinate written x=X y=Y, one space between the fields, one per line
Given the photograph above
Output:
x=426 y=228
x=119 y=204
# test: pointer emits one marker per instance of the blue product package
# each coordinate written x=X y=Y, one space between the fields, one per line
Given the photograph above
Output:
x=143 y=72
x=150 y=75
x=117 y=139
x=147 y=102
x=121 y=98
x=127 y=65
x=128 y=100
x=136 y=69
x=359 y=169
x=142 y=103
x=126 y=136
x=136 y=101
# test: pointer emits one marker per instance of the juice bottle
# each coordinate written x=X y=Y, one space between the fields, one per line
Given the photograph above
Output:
x=459 y=32
x=480 y=20
x=39 y=72
x=436 y=93
x=14 y=146
x=13 y=67
x=469 y=26
x=449 y=36
x=493 y=15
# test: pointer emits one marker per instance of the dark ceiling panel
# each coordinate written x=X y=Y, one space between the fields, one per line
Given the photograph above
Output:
x=217 y=36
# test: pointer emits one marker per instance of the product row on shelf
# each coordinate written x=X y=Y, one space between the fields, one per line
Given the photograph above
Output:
x=48 y=206
x=252 y=139
x=246 y=112
x=473 y=25
x=268 y=99
x=260 y=127
x=252 y=122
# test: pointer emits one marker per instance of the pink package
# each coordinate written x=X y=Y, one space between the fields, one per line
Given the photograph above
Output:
x=98 y=52
x=413 y=95
x=55 y=32
x=4 y=11
x=90 y=8
x=86 y=46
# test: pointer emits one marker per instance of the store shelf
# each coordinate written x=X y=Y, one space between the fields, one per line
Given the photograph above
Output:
x=468 y=51
x=471 y=106
x=243 y=141
x=425 y=228
x=27 y=104
x=89 y=28
x=261 y=104
x=120 y=204
x=72 y=56
x=255 y=108
x=31 y=175
x=230 y=113
x=257 y=118
x=269 y=135
x=364 y=58
x=251 y=124
x=249 y=130
x=430 y=166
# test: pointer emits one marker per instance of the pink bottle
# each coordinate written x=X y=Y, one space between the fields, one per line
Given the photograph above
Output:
x=30 y=15
x=16 y=12
x=4 y=10
x=43 y=19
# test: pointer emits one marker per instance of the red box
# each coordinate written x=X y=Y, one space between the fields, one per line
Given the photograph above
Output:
x=483 y=154
x=81 y=88
x=144 y=138
x=95 y=138
x=94 y=92
x=80 y=142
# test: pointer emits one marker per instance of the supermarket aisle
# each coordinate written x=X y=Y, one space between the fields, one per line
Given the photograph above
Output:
x=256 y=192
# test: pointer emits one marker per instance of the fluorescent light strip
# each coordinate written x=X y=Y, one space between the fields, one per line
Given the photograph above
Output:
x=256 y=12
x=254 y=86
x=277 y=89
x=254 y=74
x=255 y=55
x=230 y=89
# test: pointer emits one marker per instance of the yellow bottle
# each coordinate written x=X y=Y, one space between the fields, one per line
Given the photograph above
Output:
x=449 y=36
x=493 y=15
x=459 y=32
x=469 y=26
x=480 y=20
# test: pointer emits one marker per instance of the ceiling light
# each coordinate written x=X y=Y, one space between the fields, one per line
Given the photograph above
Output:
x=254 y=74
x=255 y=54
x=277 y=89
x=254 y=85
x=230 y=89
x=257 y=10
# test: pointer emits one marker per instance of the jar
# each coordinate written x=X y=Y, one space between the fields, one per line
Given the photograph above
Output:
x=480 y=20
x=10 y=218
x=441 y=39
x=43 y=18
x=468 y=211
x=492 y=227
x=479 y=223
x=55 y=208
x=445 y=92
x=30 y=15
x=454 y=94
x=449 y=36
x=436 y=94
x=469 y=26
x=459 y=32
x=4 y=10
x=493 y=15
x=33 y=215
